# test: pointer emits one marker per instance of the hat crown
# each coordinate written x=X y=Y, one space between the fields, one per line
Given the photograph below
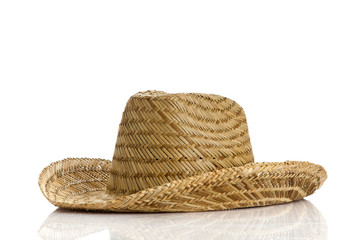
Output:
x=164 y=137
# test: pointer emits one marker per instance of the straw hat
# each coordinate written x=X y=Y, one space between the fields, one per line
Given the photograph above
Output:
x=178 y=152
x=295 y=220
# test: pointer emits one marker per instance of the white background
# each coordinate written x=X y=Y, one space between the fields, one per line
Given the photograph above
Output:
x=67 y=69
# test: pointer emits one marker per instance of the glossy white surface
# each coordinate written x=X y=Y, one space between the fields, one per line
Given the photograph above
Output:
x=288 y=221
x=68 y=67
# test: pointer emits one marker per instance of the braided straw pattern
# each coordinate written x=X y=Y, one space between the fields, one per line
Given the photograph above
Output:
x=165 y=137
x=69 y=184
x=74 y=176
x=178 y=152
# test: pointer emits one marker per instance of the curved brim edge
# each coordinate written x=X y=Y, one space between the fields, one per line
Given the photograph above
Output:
x=80 y=183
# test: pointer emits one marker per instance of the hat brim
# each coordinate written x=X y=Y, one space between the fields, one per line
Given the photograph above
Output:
x=80 y=183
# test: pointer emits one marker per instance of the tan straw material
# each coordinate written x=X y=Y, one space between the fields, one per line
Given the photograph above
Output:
x=178 y=152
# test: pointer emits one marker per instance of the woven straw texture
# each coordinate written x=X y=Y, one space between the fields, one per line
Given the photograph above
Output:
x=178 y=152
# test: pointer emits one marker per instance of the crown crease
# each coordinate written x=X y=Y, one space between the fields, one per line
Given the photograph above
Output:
x=164 y=137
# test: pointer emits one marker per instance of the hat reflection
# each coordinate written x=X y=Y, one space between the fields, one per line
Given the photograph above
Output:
x=295 y=220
